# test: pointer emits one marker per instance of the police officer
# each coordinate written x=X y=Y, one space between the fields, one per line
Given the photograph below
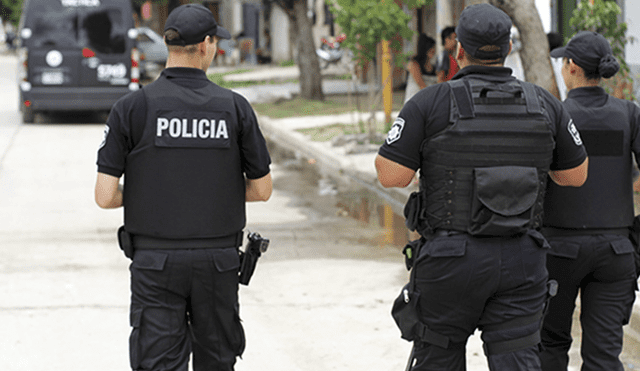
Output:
x=484 y=143
x=588 y=227
x=192 y=154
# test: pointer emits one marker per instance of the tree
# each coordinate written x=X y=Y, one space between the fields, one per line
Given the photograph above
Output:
x=537 y=66
x=602 y=17
x=11 y=10
x=310 y=76
x=366 y=23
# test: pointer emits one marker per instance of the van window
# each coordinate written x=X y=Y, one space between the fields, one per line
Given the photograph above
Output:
x=99 y=29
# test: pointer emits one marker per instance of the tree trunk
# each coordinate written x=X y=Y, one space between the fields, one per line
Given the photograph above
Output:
x=310 y=77
x=537 y=66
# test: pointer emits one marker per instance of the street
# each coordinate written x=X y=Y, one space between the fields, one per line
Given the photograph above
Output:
x=320 y=298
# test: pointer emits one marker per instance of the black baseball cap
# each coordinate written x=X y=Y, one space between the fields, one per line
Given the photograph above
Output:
x=482 y=25
x=591 y=51
x=194 y=22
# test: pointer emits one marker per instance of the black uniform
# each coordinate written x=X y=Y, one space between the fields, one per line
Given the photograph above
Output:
x=185 y=146
x=483 y=164
x=588 y=229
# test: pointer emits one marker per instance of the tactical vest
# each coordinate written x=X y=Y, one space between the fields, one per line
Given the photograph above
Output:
x=606 y=199
x=183 y=179
x=485 y=174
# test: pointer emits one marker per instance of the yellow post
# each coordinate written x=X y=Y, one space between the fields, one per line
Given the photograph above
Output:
x=389 y=230
x=386 y=81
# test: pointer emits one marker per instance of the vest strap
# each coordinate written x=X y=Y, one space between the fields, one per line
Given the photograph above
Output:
x=462 y=97
x=533 y=104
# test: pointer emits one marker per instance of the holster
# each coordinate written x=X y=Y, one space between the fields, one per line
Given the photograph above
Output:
x=634 y=236
x=405 y=311
x=410 y=252
x=125 y=242
x=405 y=306
x=256 y=245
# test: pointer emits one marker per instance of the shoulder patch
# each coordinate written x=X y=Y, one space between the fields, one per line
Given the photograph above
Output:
x=575 y=134
x=106 y=134
x=396 y=130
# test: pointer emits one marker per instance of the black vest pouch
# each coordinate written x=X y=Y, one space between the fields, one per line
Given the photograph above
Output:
x=125 y=242
x=412 y=211
x=503 y=200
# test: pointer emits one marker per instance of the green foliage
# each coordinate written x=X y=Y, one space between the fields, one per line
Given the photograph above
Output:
x=218 y=79
x=10 y=10
x=602 y=17
x=287 y=63
x=367 y=22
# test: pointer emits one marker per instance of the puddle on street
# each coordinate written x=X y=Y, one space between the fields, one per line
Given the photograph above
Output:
x=338 y=223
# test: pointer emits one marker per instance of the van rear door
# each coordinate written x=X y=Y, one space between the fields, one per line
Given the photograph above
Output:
x=106 y=49
x=79 y=43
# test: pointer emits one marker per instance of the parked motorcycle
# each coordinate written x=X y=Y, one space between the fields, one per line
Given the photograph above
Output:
x=330 y=51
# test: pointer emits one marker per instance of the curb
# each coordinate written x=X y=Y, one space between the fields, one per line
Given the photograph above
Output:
x=333 y=162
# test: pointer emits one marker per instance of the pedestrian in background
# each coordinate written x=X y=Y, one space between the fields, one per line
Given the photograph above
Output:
x=555 y=41
x=484 y=143
x=192 y=155
x=420 y=71
x=447 y=65
x=588 y=227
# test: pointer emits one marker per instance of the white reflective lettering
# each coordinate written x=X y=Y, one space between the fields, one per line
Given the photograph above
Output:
x=185 y=126
x=222 y=130
x=194 y=128
x=174 y=128
x=161 y=125
x=203 y=130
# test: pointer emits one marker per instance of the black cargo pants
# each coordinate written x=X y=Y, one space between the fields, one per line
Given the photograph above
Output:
x=467 y=283
x=183 y=301
x=602 y=269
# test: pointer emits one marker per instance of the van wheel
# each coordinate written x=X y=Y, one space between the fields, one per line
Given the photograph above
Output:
x=28 y=115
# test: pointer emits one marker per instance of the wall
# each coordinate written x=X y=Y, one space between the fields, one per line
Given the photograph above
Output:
x=632 y=17
x=279 y=28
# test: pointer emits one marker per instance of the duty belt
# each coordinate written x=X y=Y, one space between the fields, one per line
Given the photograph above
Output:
x=146 y=242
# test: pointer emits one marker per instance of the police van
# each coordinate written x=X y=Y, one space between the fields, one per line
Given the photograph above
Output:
x=77 y=55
